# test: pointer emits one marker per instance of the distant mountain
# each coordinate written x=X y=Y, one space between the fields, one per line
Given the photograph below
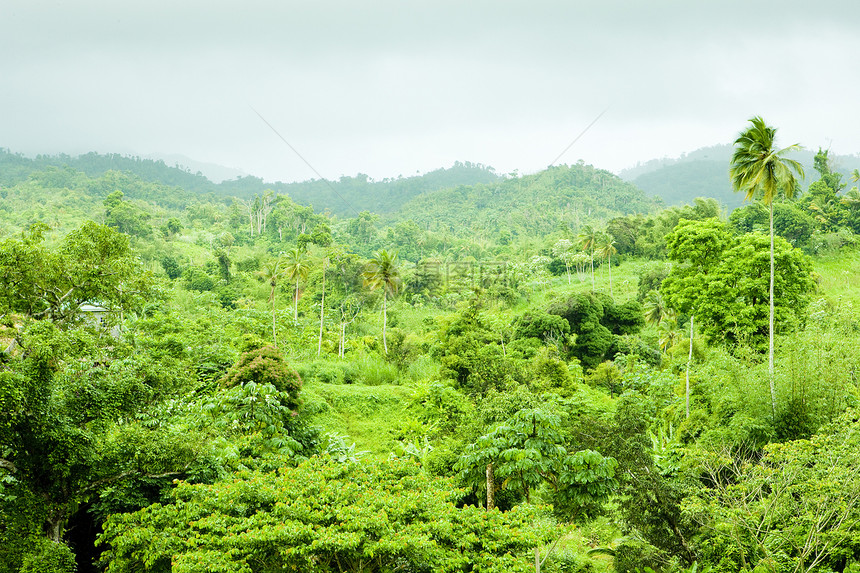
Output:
x=347 y=196
x=562 y=197
x=705 y=173
x=212 y=171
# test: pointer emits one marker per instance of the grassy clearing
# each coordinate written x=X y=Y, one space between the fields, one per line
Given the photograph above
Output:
x=369 y=415
x=839 y=276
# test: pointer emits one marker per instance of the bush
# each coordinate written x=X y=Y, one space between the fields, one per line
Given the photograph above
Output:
x=49 y=557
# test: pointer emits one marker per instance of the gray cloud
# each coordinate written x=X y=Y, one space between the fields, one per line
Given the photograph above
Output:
x=388 y=87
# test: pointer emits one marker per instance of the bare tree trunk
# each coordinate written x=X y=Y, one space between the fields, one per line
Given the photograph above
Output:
x=322 y=312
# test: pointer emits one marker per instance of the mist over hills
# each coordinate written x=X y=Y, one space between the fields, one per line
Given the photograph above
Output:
x=705 y=173
x=461 y=197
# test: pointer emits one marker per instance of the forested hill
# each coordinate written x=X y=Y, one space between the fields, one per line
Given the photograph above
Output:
x=705 y=173
x=562 y=196
x=346 y=196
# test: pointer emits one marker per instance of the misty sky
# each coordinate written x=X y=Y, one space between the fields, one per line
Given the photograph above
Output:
x=394 y=87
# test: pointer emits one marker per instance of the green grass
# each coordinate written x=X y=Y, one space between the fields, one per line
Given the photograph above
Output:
x=369 y=415
x=839 y=276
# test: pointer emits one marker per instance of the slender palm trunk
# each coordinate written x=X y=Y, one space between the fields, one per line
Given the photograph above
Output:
x=384 y=321
x=322 y=314
x=296 y=303
x=274 y=325
x=592 y=271
x=770 y=324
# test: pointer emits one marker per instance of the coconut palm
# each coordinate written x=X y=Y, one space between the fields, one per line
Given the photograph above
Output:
x=668 y=333
x=656 y=310
x=851 y=197
x=296 y=267
x=587 y=241
x=381 y=273
x=606 y=248
x=272 y=272
x=758 y=166
x=322 y=305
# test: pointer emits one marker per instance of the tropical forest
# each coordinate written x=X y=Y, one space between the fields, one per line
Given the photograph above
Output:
x=460 y=371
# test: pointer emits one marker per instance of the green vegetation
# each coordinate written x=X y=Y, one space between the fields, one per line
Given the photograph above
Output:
x=546 y=372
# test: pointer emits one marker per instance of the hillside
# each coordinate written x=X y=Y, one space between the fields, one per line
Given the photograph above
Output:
x=704 y=173
x=262 y=356
x=346 y=196
x=559 y=197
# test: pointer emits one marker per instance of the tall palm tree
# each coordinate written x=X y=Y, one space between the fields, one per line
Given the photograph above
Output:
x=606 y=248
x=656 y=309
x=322 y=305
x=758 y=166
x=296 y=267
x=272 y=272
x=587 y=241
x=381 y=273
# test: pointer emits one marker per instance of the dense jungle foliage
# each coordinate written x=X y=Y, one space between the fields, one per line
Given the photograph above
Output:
x=456 y=372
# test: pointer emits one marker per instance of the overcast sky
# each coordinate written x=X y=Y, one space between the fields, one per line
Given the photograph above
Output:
x=394 y=87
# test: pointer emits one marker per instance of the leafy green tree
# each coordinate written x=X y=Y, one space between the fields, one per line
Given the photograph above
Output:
x=597 y=321
x=795 y=509
x=790 y=221
x=296 y=268
x=381 y=273
x=648 y=496
x=260 y=400
x=171 y=267
x=472 y=353
x=724 y=280
x=367 y=516
x=75 y=420
x=224 y=263
x=93 y=264
x=697 y=248
x=126 y=217
x=527 y=450
x=758 y=166
x=172 y=227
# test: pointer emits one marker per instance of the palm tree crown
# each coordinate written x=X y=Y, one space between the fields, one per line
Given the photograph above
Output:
x=272 y=272
x=758 y=165
x=296 y=268
x=381 y=273
x=587 y=241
